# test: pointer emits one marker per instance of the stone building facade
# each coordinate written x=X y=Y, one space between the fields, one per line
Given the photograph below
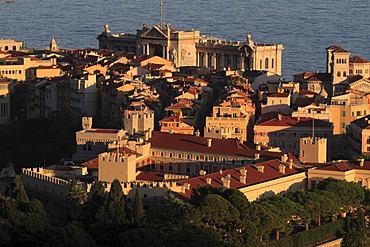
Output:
x=189 y=48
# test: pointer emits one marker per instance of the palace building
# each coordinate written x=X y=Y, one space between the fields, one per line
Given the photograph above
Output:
x=190 y=48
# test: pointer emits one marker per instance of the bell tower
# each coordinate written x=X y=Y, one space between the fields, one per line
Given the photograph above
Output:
x=53 y=45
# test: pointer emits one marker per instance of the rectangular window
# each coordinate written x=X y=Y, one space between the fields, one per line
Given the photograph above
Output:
x=343 y=125
x=343 y=113
x=358 y=113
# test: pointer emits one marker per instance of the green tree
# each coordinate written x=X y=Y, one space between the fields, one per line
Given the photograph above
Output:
x=358 y=234
x=113 y=211
x=17 y=191
x=138 y=211
x=346 y=194
x=77 y=193
x=284 y=211
x=218 y=212
x=98 y=193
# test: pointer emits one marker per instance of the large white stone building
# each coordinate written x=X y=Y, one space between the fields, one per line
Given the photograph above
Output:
x=190 y=48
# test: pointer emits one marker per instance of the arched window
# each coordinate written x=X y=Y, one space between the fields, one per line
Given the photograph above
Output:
x=266 y=63
x=344 y=73
x=14 y=48
x=338 y=74
x=6 y=48
x=260 y=63
x=272 y=63
x=337 y=60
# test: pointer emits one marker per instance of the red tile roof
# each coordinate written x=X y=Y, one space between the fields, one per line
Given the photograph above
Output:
x=150 y=176
x=183 y=103
x=198 y=144
x=358 y=59
x=346 y=166
x=336 y=48
x=294 y=122
x=106 y=131
x=281 y=95
x=304 y=75
x=306 y=92
x=254 y=176
x=94 y=163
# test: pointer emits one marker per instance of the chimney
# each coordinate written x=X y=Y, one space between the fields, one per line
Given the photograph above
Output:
x=209 y=142
x=291 y=164
x=209 y=180
x=257 y=156
x=243 y=175
x=261 y=168
x=226 y=181
x=284 y=158
x=362 y=161
x=187 y=186
x=258 y=147
x=197 y=133
x=282 y=168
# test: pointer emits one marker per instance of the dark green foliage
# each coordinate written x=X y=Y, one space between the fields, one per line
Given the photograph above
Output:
x=317 y=204
x=283 y=211
x=140 y=237
x=138 y=211
x=358 y=234
x=113 y=211
x=77 y=193
x=194 y=236
x=218 y=212
x=17 y=191
x=310 y=237
x=72 y=235
x=346 y=194
x=98 y=193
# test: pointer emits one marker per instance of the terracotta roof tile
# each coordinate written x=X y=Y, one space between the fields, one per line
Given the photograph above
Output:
x=254 y=176
x=358 y=59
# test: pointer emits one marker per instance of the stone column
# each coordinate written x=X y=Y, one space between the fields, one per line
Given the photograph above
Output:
x=206 y=59
x=214 y=60
x=147 y=49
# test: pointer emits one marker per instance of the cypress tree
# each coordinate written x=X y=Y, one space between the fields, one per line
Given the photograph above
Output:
x=98 y=193
x=138 y=208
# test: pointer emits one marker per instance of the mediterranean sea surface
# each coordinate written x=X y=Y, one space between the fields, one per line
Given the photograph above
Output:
x=305 y=28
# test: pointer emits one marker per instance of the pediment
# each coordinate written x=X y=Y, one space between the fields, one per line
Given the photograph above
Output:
x=154 y=32
x=361 y=85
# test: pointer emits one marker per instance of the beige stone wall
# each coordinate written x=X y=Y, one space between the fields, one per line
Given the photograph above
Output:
x=269 y=58
x=313 y=150
x=9 y=44
x=44 y=181
x=275 y=187
x=340 y=67
x=116 y=166
x=4 y=103
x=362 y=177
